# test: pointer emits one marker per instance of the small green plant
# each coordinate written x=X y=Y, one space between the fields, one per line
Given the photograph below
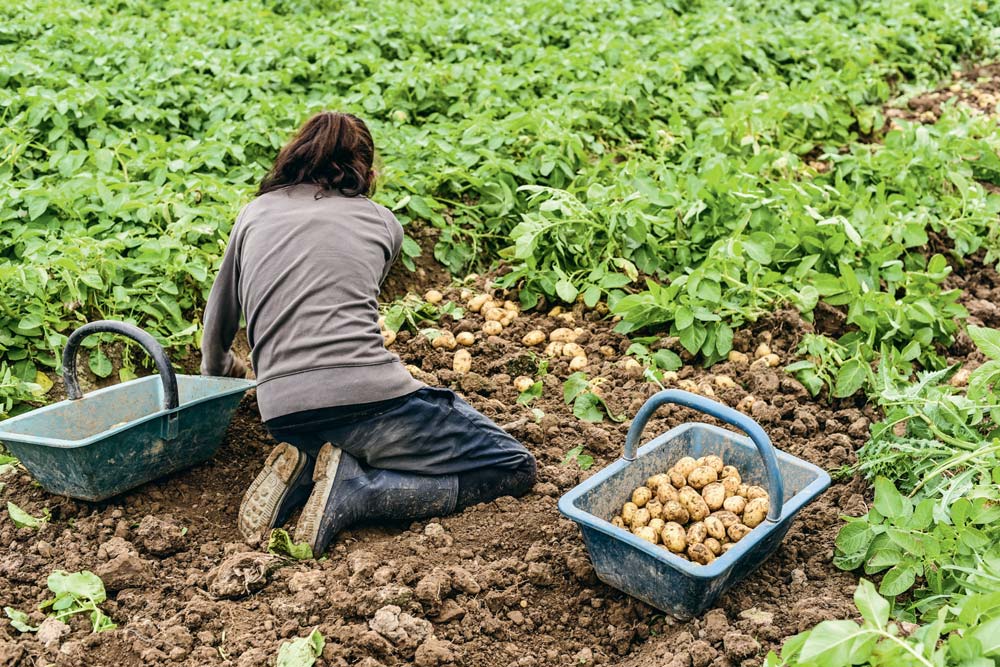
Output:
x=301 y=651
x=78 y=593
x=415 y=314
x=23 y=519
x=655 y=362
x=576 y=455
x=19 y=620
x=584 y=394
x=280 y=543
x=535 y=390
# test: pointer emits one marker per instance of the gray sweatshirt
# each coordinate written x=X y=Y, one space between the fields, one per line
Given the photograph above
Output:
x=305 y=267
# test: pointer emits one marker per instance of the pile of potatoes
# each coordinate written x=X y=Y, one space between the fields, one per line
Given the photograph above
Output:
x=698 y=509
x=561 y=343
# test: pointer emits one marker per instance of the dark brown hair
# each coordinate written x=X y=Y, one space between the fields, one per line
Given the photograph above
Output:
x=332 y=150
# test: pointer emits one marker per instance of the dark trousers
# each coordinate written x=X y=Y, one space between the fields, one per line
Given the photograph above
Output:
x=429 y=432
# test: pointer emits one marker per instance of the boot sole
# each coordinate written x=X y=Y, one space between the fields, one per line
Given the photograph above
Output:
x=262 y=501
x=324 y=475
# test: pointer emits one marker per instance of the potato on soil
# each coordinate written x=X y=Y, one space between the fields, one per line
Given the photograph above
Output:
x=607 y=351
x=433 y=296
x=388 y=337
x=647 y=533
x=618 y=522
x=738 y=531
x=640 y=518
x=735 y=504
x=641 y=496
x=655 y=508
x=444 y=341
x=492 y=328
x=755 y=492
x=714 y=545
x=724 y=382
x=685 y=465
x=476 y=302
x=715 y=527
x=674 y=537
x=699 y=553
x=755 y=512
x=578 y=363
x=738 y=357
x=572 y=350
x=533 y=338
x=674 y=511
x=762 y=351
x=772 y=360
x=714 y=495
x=701 y=477
x=462 y=362
x=465 y=338
x=523 y=383
x=510 y=306
x=666 y=492
x=655 y=481
x=628 y=512
x=563 y=335
x=656 y=524
x=495 y=314
x=554 y=349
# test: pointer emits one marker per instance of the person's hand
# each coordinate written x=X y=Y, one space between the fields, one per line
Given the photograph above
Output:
x=237 y=369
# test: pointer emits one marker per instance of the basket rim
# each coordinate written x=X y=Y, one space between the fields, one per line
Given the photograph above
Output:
x=10 y=437
x=718 y=567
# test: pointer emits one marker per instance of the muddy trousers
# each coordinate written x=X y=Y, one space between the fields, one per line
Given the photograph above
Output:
x=430 y=432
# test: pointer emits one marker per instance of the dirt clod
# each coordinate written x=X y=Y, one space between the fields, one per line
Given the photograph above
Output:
x=242 y=574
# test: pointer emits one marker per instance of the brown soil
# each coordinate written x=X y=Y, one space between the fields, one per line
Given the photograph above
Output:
x=977 y=88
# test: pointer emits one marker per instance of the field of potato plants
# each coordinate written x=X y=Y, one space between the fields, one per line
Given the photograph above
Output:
x=788 y=206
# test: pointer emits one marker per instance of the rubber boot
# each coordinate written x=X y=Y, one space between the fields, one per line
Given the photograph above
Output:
x=282 y=485
x=345 y=493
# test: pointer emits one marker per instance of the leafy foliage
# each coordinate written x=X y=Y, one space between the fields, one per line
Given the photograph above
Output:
x=585 y=396
x=280 y=543
x=23 y=519
x=78 y=593
x=301 y=651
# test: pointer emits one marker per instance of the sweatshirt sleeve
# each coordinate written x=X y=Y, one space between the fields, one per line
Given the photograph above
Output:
x=395 y=238
x=222 y=313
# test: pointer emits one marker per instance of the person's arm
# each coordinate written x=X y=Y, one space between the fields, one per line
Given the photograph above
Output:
x=395 y=238
x=222 y=316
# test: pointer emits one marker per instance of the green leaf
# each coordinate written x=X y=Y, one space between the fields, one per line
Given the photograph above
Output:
x=530 y=394
x=850 y=378
x=889 y=502
x=574 y=385
x=19 y=620
x=873 y=607
x=302 y=651
x=898 y=580
x=280 y=543
x=83 y=584
x=566 y=291
x=22 y=519
x=100 y=365
x=987 y=340
x=588 y=408
x=854 y=537
x=834 y=643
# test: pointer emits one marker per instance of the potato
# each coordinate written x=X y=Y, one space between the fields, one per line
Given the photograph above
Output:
x=640 y=518
x=731 y=485
x=523 y=383
x=755 y=512
x=772 y=360
x=462 y=363
x=646 y=533
x=701 y=477
x=533 y=338
x=724 y=382
x=674 y=511
x=476 y=302
x=465 y=294
x=685 y=465
x=511 y=307
x=699 y=553
x=714 y=495
x=607 y=351
x=696 y=532
x=742 y=490
x=641 y=496
x=495 y=314
x=578 y=363
x=713 y=462
x=554 y=349
x=572 y=350
x=674 y=537
x=714 y=545
x=618 y=522
x=730 y=471
x=762 y=351
x=666 y=492
x=656 y=524
x=628 y=512
x=738 y=531
x=433 y=296
x=563 y=335
x=655 y=481
x=735 y=504
x=727 y=546
x=388 y=337
x=669 y=376
x=738 y=357
x=444 y=341
x=714 y=527
x=465 y=338
x=633 y=367
x=677 y=479
x=492 y=328
x=686 y=493
x=754 y=492
x=697 y=508
x=726 y=518
x=655 y=508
